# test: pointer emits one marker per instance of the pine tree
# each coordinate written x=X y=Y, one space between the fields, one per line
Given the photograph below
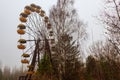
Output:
x=45 y=70
x=66 y=59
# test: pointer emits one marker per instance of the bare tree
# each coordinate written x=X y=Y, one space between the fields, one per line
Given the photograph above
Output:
x=64 y=19
x=111 y=19
x=66 y=23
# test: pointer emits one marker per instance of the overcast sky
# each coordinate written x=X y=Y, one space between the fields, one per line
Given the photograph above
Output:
x=9 y=19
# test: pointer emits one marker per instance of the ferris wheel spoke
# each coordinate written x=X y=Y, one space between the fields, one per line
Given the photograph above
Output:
x=32 y=21
x=33 y=32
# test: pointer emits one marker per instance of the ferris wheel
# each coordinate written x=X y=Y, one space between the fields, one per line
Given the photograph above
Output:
x=36 y=36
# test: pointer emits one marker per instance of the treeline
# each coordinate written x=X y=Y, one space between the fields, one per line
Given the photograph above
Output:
x=10 y=74
x=103 y=65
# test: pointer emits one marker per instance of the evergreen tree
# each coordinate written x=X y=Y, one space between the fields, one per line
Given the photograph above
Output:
x=45 y=70
x=66 y=59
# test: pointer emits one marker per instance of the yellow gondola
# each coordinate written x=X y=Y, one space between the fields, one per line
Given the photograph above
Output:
x=32 y=9
x=27 y=8
x=46 y=19
x=23 y=19
x=25 y=55
x=42 y=13
x=38 y=7
x=33 y=5
x=25 y=61
x=24 y=15
x=22 y=41
x=21 y=46
x=37 y=10
x=27 y=11
x=20 y=31
x=21 y=26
